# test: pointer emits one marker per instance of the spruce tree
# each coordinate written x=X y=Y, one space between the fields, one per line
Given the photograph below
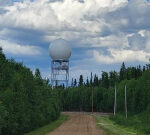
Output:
x=81 y=80
x=75 y=82
x=144 y=69
x=91 y=79
x=95 y=80
x=123 y=72
x=63 y=86
x=37 y=74
x=105 y=80
x=87 y=82
x=0 y=49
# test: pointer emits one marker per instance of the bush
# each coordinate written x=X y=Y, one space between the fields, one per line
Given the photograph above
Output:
x=27 y=101
x=3 y=115
x=140 y=122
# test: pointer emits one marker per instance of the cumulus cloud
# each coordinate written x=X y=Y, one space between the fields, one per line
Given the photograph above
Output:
x=122 y=26
x=66 y=16
x=118 y=56
x=17 y=49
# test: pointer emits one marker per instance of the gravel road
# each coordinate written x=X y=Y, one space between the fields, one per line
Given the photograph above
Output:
x=78 y=124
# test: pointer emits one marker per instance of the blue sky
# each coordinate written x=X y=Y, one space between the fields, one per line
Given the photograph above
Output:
x=102 y=33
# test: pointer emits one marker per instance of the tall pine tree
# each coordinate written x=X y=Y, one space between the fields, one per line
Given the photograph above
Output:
x=81 y=80
x=123 y=72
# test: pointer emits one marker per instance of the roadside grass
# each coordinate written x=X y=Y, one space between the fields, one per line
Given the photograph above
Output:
x=114 y=129
x=140 y=122
x=48 y=128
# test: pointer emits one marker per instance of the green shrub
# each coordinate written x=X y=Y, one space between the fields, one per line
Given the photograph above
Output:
x=139 y=122
x=3 y=115
x=27 y=101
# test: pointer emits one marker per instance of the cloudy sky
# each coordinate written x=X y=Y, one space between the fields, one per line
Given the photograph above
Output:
x=102 y=33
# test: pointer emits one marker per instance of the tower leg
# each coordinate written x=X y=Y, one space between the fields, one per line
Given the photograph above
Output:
x=58 y=68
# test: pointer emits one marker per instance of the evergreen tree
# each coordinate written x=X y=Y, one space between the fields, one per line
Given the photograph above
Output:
x=123 y=72
x=144 y=69
x=91 y=79
x=2 y=56
x=87 y=82
x=139 y=71
x=81 y=80
x=95 y=80
x=113 y=78
x=37 y=73
x=0 y=50
x=63 y=86
x=38 y=77
x=26 y=100
x=75 y=82
x=105 y=80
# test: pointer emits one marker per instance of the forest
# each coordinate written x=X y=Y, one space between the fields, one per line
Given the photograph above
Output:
x=27 y=101
x=98 y=94
x=78 y=97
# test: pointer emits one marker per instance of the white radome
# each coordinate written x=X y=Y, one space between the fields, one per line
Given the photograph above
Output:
x=60 y=49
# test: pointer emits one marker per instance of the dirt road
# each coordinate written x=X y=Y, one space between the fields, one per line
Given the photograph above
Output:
x=78 y=124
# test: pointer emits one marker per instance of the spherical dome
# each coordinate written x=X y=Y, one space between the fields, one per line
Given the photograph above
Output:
x=60 y=49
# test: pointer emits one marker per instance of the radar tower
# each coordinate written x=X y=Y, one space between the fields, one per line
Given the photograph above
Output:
x=60 y=51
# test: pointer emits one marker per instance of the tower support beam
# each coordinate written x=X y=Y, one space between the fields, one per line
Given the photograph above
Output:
x=59 y=72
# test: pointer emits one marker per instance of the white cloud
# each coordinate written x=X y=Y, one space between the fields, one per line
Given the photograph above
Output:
x=17 y=49
x=118 y=56
x=122 y=26
x=140 y=41
x=63 y=17
x=91 y=18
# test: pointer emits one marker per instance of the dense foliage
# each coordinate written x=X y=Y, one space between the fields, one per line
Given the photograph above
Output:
x=138 y=97
x=101 y=90
x=140 y=122
x=26 y=100
x=80 y=99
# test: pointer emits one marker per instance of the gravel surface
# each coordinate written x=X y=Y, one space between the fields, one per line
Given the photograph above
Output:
x=78 y=124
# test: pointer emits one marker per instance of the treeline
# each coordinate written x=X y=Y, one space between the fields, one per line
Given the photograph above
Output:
x=108 y=80
x=80 y=99
x=79 y=96
x=26 y=100
x=138 y=104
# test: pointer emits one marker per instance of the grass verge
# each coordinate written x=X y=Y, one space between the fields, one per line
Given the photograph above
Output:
x=140 y=122
x=114 y=129
x=50 y=127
